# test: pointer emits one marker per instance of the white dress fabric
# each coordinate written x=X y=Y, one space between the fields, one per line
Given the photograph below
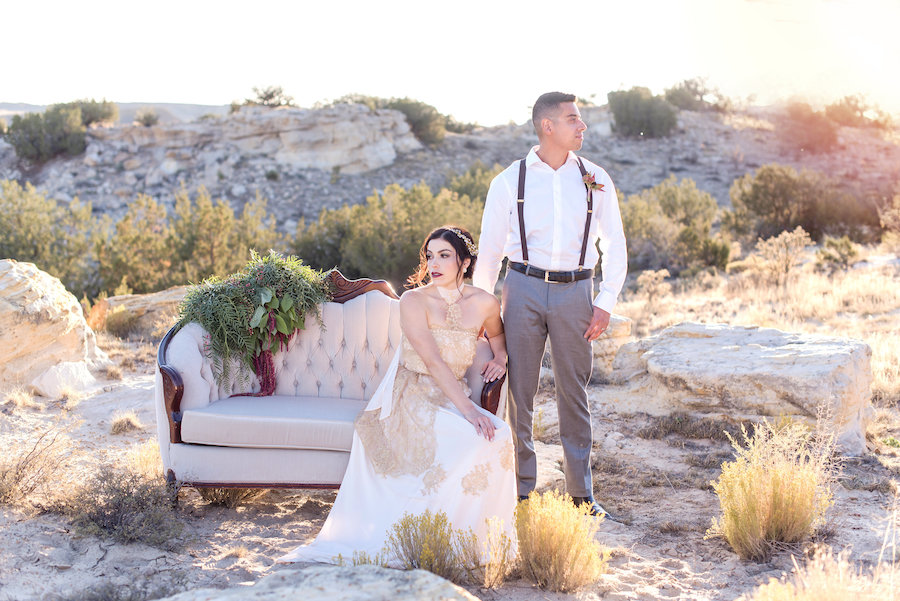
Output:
x=412 y=452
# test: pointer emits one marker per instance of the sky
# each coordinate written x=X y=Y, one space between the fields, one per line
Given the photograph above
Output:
x=482 y=61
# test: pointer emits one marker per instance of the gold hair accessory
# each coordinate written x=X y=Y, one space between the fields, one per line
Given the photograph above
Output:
x=473 y=250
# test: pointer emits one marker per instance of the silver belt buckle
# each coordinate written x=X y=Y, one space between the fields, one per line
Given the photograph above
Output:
x=547 y=277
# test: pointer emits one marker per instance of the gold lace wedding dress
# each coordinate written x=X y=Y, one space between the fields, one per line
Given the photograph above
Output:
x=414 y=451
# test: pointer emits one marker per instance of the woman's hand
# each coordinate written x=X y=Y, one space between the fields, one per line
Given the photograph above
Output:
x=493 y=369
x=483 y=424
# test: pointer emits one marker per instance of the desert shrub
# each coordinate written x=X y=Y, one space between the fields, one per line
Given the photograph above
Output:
x=829 y=577
x=18 y=397
x=34 y=467
x=122 y=423
x=230 y=497
x=853 y=111
x=668 y=226
x=777 y=489
x=125 y=506
x=654 y=285
x=41 y=137
x=486 y=563
x=777 y=198
x=121 y=323
x=836 y=254
x=270 y=96
x=637 y=112
x=557 y=549
x=92 y=111
x=272 y=175
x=807 y=130
x=695 y=95
x=425 y=542
x=782 y=254
x=475 y=181
x=139 y=249
x=889 y=218
x=58 y=238
x=146 y=117
x=457 y=127
x=382 y=237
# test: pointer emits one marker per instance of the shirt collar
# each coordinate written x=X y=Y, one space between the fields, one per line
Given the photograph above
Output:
x=532 y=157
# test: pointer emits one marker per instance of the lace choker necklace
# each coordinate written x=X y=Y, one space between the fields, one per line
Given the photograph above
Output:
x=450 y=296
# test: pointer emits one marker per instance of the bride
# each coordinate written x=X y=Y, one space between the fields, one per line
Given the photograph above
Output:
x=421 y=443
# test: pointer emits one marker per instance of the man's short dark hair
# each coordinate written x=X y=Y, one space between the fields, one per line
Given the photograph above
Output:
x=547 y=103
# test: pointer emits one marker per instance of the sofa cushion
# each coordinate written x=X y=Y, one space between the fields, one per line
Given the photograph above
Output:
x=286 y=422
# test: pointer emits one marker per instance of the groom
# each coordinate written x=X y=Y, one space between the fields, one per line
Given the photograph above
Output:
x=546 y=213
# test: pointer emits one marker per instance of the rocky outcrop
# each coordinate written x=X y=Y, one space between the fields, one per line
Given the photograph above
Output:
x=750 y=371
x=44 y=339
x=154 y=313
x=333 y=583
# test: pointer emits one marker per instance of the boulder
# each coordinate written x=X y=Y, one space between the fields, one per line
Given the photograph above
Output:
x=747 y=371
x=337 y=583
x=41 y=327
x=154 y=313
x=605 y=348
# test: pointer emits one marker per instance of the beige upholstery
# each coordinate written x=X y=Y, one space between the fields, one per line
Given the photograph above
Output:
x=303 y=433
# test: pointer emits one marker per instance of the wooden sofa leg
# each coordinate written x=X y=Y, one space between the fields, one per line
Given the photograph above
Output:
x=174 y=487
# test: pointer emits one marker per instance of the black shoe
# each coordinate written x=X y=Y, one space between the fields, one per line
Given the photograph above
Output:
x=523 y=498
x=595 y=508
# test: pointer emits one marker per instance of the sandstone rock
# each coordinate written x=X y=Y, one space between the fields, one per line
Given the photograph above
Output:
x=41 y=325
x=155 y=312
x=606 y=347
x=751 y=371
x=334 y=583
x=68 y=375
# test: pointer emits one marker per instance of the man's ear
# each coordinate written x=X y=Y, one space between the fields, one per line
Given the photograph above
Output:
x=547 y=125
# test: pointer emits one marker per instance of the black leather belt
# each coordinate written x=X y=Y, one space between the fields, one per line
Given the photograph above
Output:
x=553 y=277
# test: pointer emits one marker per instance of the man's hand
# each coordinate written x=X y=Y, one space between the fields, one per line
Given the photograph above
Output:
x=599 y=323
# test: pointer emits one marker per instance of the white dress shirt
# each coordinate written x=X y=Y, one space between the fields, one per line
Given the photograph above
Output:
x=555 y=212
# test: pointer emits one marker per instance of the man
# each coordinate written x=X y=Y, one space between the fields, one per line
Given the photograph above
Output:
x=548 y=290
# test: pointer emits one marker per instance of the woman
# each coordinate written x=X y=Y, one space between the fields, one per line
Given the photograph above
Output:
x=421 y=443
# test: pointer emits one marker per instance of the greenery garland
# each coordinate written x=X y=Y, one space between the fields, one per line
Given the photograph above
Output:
x=251 y=314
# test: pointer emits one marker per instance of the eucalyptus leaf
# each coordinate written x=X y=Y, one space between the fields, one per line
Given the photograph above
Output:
x=257 y=316
x=265 y=295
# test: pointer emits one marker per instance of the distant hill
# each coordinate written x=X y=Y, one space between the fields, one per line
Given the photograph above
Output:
x=169 y=112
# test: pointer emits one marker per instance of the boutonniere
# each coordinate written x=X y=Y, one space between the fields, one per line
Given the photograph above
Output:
x=591 y=183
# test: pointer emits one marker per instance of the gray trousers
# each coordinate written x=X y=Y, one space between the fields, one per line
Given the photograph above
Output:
x=532 y=311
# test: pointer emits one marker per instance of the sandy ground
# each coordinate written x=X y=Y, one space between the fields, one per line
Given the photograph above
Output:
x=659 y=551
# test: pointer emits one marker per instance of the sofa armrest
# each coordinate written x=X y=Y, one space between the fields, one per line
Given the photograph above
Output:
x=173 y=388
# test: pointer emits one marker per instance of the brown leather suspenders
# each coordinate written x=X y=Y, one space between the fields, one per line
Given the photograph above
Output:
x=520 y=205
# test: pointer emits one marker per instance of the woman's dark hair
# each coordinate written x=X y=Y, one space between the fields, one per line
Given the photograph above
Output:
x=460 y=242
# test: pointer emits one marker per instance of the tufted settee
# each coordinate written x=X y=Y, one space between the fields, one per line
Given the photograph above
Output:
x=300 y=436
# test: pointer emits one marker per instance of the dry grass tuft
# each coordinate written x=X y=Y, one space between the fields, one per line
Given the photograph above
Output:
x=238 y=552
x=827 y=577
x=487 y=564
x=540 y=430
x=557 y=549
x=33 y=467
x=230 y=497
x=112 y=372
x=19 y=398
x=123 y=505
x=144 y=459
x=425 y=542
x=777 y=489
x=69 y=398
x=690 y=426
x=124 y=423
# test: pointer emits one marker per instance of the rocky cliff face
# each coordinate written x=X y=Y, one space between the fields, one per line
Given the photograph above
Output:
x=304 y=160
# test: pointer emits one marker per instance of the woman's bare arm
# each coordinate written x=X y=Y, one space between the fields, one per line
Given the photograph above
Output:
x=414 y=323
